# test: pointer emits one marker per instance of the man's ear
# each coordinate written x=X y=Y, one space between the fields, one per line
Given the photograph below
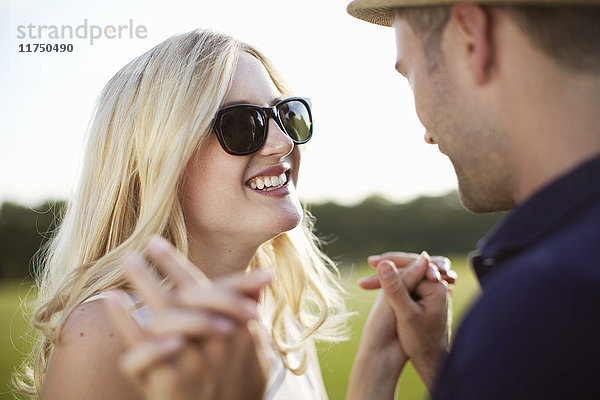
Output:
x=473 y=23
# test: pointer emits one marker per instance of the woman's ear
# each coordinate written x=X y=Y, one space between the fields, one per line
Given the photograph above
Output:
x=473 y=24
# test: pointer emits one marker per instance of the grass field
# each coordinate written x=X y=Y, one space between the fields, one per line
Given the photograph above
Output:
x=13 y=331
x=336 y=360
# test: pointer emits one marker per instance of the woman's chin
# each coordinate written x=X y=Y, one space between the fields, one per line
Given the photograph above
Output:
x=292 y=223
x=283 y=223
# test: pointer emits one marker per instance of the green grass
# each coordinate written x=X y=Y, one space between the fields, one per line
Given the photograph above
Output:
x=336 y=360
x=14 y=330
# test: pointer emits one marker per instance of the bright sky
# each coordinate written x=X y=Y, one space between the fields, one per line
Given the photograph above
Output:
x=367 y=137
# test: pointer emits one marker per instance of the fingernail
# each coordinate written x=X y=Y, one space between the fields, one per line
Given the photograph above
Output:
x=423 y=258
x=373 y=258
x=262 y=274
x=452 y=274
x=157 y=242
x=436 y=273
x=133 y=260
x=385 y=269
x=155 y=239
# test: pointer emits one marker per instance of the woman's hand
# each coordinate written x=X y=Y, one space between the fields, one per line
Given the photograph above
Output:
x=380 y=358
x=203 y=342
x=440 y=268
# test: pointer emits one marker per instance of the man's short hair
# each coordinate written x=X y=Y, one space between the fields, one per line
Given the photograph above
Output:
x=428 y=23
x=568 y=34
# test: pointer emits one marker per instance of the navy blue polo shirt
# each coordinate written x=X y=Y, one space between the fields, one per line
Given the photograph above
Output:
x=534 y=333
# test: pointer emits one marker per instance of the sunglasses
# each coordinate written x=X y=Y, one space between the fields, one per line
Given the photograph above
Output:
x=242 y=128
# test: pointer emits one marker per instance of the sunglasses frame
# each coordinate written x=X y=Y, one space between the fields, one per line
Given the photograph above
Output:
x=266 y=113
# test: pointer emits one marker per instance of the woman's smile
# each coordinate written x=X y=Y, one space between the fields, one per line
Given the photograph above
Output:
x=272 y=181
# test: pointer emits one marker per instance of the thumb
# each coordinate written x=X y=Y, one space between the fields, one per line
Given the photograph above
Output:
x=414 y=274
x=398 y=287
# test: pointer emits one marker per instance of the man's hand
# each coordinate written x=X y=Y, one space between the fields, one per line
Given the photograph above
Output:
x=421 y=311
x=408 y=320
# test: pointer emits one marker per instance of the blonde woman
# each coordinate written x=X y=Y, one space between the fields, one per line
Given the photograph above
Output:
x=196 y=141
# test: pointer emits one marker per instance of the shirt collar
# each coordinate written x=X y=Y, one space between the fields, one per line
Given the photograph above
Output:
x=542 y=213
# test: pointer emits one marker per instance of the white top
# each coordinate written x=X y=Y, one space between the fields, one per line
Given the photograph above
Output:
x=282 y=385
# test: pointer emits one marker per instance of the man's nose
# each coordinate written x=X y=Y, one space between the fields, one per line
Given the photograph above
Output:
x=429 y=139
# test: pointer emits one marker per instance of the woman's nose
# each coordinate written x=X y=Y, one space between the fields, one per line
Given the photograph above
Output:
x=277 y=142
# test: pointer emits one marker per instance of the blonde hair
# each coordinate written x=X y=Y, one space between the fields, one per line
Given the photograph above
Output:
x=151 y=117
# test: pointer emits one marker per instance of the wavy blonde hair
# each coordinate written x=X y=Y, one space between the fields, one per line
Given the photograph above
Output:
x=151 y=117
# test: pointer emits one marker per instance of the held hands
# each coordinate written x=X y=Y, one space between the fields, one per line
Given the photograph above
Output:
x=421 y=310
x=439 y=267
x=410 y=319
x=204 y=340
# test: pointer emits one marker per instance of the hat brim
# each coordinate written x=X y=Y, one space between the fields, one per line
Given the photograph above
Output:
x=381 y=12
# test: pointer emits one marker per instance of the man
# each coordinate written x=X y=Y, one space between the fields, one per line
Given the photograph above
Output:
x=511 y=93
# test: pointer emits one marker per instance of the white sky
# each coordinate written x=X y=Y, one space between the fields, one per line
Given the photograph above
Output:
x=367 y=137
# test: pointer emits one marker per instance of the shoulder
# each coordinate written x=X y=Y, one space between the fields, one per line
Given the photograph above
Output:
x=544 y=294
x=84 y=362
x=88 y=321
x=532 y=328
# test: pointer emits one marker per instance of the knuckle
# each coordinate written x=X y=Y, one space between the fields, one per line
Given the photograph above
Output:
x=399 y=255
x=394 y=288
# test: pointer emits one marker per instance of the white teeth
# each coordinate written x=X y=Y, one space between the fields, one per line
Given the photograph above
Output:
x=268 y=182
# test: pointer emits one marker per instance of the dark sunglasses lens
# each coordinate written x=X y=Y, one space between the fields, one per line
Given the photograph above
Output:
x=242 y=130
x=296 y=119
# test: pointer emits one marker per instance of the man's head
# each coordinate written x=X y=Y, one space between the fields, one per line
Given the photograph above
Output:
x=485 y=80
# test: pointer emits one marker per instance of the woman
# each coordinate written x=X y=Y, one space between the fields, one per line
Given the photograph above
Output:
x=165 y=157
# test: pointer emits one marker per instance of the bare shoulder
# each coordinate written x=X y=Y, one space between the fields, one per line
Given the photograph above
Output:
x=84 y=364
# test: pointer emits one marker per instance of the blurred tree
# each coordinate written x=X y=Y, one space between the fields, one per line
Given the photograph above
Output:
x=437 y=224
x=22 y=231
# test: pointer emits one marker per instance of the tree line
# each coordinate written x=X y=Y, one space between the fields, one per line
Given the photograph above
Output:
x=439 y=225
x=349 y=233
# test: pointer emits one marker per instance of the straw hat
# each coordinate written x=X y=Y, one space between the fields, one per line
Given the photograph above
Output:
x=380 y=12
